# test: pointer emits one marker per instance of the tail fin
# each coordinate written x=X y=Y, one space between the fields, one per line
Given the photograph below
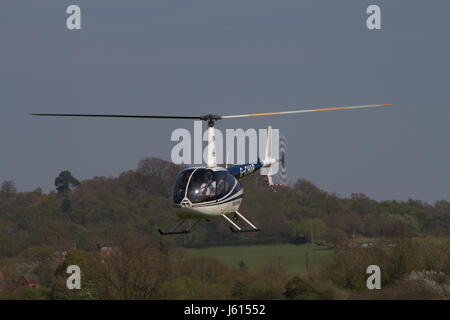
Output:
x=269 y=143
x=268 y=160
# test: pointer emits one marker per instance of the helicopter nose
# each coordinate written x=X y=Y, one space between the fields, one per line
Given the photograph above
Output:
x=185 y=203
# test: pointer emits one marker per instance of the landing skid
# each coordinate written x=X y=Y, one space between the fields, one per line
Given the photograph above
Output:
x=238 y=229
x=242 y=231
x=174 y=229
x=173 y=232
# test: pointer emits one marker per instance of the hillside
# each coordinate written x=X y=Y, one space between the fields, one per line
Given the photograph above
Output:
x=40 y=232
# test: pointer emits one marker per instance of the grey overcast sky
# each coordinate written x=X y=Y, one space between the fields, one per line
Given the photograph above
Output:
x=230 y=56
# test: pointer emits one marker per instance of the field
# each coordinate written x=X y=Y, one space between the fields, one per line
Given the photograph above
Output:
x=294 y=257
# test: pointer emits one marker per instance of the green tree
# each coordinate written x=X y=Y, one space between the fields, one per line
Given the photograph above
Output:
x=7 y=245
x=65 y=182
x=299 y=289
x=243 y=266
x=66 y=205
x=307 y=187
x=401 y=226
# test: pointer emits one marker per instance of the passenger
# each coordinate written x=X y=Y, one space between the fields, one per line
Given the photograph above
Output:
x=220 y=187
x=208 y=187
x=183 y=184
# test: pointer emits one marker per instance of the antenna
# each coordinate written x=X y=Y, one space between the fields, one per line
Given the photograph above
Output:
x=226 y=161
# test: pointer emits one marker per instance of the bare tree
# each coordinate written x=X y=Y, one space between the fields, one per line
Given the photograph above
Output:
x=134 y=269
x=8 y=187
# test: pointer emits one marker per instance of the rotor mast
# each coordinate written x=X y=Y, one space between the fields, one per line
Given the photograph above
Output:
x=211 y=160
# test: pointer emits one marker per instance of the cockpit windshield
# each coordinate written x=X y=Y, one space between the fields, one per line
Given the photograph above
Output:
x=207 y=185
x=204 y=185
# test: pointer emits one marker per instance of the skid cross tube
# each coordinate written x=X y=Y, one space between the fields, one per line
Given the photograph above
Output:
x=234 y=224
x=236 y=227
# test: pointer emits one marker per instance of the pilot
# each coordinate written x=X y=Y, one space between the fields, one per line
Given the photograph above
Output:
x=208 y=187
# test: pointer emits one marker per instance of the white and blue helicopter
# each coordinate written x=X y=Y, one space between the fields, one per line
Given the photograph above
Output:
x=210 y=191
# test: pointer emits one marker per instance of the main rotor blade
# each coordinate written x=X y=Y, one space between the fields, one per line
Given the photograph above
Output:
x=304 y=111
x=208 y=117
x=110 y=116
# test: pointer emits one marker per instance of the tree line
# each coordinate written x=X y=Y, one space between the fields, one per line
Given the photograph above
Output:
x=40 y=233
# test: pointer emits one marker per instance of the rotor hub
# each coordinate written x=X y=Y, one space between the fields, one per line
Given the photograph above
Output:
x=211 y=118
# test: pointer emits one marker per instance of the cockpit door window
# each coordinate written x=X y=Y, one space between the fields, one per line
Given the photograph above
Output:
x=179 y=187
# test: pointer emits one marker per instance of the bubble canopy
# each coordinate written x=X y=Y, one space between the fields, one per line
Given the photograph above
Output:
x=202 y=185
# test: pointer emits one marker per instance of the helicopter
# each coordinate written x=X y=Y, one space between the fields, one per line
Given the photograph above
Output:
x=205 y=192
